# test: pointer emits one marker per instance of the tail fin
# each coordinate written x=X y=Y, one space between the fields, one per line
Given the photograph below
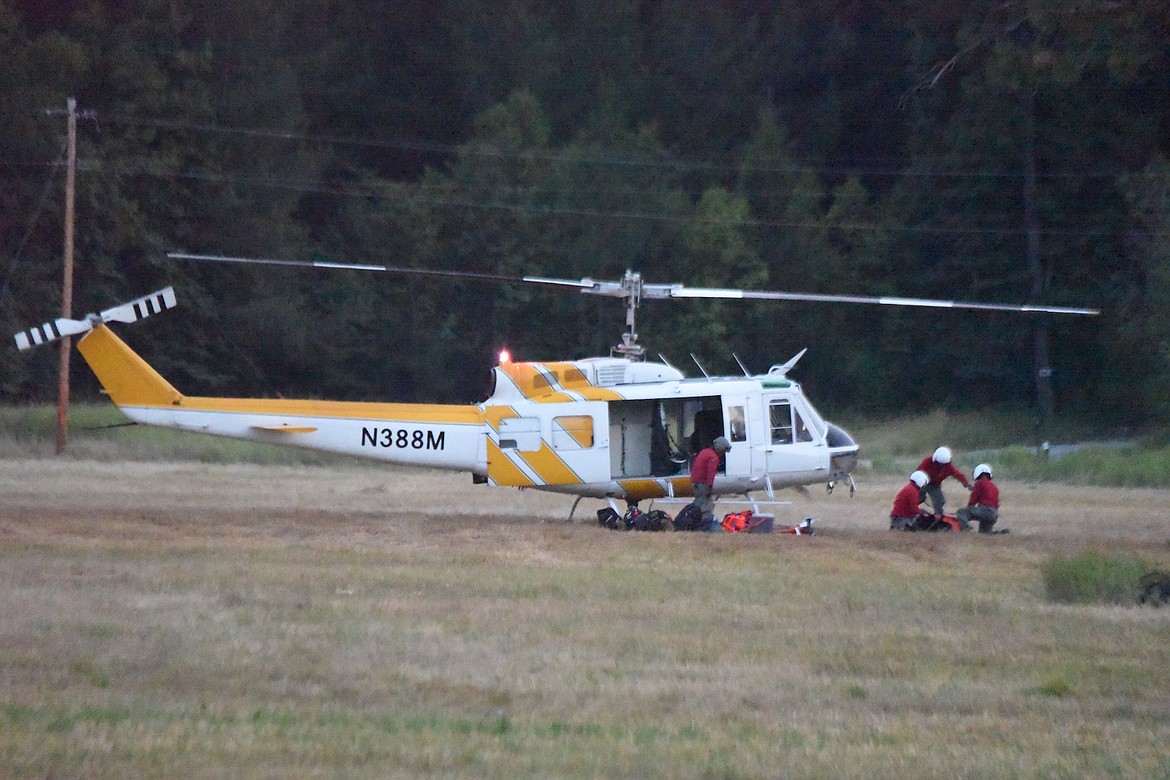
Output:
x=128 y=379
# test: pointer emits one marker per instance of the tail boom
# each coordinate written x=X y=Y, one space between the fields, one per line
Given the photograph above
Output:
x=432 y=435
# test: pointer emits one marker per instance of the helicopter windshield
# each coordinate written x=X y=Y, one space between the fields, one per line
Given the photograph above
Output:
x=792 y=422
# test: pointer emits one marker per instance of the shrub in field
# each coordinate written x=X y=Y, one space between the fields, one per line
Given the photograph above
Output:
x=1057 y=686
x=1092 y=577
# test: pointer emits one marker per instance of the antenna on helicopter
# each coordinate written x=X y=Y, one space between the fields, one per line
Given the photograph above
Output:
x=742 y=367
x=783 y=368
x=700 y=365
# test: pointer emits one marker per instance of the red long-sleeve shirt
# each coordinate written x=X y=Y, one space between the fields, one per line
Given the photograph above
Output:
x=704 y=468
x=937 y=472
x=906 y=502
x=984 y=493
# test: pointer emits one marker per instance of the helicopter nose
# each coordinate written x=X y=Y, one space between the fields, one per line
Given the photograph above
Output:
x=843 y=451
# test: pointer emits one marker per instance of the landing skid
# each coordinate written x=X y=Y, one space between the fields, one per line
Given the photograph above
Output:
x=612 y=504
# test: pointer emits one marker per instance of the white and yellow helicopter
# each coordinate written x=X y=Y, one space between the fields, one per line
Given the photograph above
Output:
x=617 y=427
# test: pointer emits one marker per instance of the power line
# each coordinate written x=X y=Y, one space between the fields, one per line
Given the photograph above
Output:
x=403 y=193
x=896 y=169
x=461 y=198
x=448 y=196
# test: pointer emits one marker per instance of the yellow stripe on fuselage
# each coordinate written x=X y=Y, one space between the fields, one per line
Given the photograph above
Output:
x=552 y=383
x=535 y=380
x=502 y=471
x=642 y=489
x=600 y=394
x=549 y=467
x=358 y=410
x=493 y=414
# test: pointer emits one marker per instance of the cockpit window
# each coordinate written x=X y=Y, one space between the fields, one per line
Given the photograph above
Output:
x=800 y=428
x=780 y=416
x=790 y=425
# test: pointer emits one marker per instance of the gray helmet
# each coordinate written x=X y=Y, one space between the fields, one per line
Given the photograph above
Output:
x=721 y=444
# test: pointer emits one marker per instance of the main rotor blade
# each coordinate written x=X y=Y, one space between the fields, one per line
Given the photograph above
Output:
x=678 y=291
x=342 y=266
x=632 y=287
x=584 y=285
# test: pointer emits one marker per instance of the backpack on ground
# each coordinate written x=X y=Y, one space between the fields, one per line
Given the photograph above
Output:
x=654 y=520
x=930 y=522
x=634 y=520
x=689 y=519
x=609 y=518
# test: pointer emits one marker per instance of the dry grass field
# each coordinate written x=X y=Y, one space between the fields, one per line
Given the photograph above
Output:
x=192 y=620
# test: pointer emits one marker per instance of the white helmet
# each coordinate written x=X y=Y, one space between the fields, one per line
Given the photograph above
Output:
x=919 y=478
x=942 y=455
x=982 y=469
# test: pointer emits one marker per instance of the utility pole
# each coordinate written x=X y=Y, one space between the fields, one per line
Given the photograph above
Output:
x=67 y=281
x=1045 y=397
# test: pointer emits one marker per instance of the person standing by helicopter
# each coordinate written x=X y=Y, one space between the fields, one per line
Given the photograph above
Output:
x=984 y=503
x=703 y=472
x=938 y=467
x=904 y=515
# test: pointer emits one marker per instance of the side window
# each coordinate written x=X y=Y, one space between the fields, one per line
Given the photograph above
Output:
x=780 y=416
x=800 y=427
x=572 y=432
x=520 y=433
x=738 y=423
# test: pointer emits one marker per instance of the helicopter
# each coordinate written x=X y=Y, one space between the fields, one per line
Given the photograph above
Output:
x=616 y=427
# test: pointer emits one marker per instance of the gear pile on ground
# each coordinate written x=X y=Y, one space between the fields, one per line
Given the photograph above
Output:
x=635 y=520
x=691 y=519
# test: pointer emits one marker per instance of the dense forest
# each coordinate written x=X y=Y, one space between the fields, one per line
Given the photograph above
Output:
x=1012 y=151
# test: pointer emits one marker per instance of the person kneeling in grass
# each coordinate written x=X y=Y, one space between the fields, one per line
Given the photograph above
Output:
x=983 y=505
x=904 y=515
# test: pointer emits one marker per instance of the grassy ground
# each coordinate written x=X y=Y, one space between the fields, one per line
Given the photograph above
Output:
x=1011 y=442
x=194 y=619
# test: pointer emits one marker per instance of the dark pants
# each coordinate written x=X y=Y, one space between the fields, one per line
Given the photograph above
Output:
x=935 y=494
x=706 y=503
x=902 y=523
x=986 y=516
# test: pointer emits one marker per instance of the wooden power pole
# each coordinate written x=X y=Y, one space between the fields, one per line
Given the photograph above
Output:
x=67 y=281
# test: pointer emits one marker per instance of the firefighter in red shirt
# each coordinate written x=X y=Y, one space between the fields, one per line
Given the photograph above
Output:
x=984 y=503
x=703 y=472
x=905 y=511
x=938 y=467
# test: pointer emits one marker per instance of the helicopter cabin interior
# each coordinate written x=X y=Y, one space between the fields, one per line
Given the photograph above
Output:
x=660 y=437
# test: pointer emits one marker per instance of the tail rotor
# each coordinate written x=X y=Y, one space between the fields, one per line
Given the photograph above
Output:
x=131 y=311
